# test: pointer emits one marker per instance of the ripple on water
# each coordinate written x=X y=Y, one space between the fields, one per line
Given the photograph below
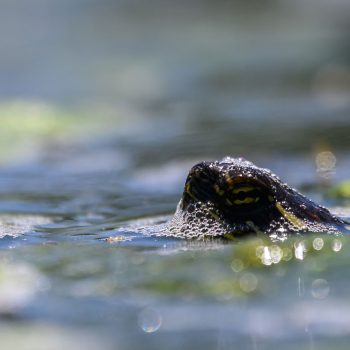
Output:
x=17 y=225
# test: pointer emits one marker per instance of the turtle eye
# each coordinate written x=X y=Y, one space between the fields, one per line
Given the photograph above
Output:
x=243 y=195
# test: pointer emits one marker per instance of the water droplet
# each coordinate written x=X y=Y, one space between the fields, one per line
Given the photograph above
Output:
x=150 y=320
x=318 y=243
x=337 y=245
x=320 y=288
x=248 y=282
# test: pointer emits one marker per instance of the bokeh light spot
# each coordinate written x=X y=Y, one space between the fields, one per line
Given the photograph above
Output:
x=337 y=245
x=269 y=255
x=318 y=243
x=248 y=282
x=299 y=250
x=237 y=265
x=150 y=320
x=320 y=288
x=287 y=254
x=325 y=164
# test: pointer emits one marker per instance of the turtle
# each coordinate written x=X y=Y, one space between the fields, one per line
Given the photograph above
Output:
x=233 y=197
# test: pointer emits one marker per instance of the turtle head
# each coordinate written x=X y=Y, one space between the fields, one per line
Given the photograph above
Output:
x=235 y=187
x=233 y=196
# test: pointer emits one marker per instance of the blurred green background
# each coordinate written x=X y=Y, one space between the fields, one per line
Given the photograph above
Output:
x=184 y=79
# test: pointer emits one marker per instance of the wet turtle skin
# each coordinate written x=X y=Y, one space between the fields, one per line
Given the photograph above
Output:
x=233 y=197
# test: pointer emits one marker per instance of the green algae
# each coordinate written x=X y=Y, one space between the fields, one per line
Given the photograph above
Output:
x=340 y=191
x=28 y=126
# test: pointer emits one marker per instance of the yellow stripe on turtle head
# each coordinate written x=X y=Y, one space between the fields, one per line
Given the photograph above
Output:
x=188 y=191
x=229 y=180
x=247 y=200
x=228 y=202
x=243 y=189
x=218 y=190
x=290 y=217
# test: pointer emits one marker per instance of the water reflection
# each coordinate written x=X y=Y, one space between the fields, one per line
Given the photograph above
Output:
x=194 y=290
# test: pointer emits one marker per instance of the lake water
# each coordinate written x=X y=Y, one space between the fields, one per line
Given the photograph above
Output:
x=105 y=107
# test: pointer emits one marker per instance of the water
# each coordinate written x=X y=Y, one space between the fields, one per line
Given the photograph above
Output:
x=104 y=109
x=76 y=270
